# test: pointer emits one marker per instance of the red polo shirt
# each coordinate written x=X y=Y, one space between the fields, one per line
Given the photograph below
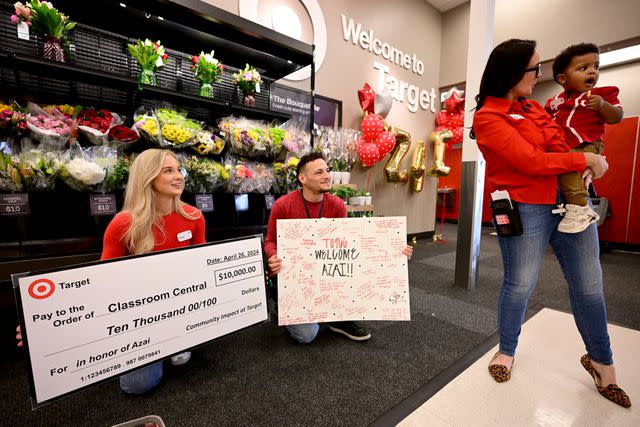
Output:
x=524 y=148
x=290 y=206
x=571 y=111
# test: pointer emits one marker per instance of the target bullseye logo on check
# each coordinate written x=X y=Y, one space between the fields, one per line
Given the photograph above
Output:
x=44 y=288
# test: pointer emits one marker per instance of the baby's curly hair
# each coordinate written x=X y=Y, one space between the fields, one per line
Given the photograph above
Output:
x=562 y=61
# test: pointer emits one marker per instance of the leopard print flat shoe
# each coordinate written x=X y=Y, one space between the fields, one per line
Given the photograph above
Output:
x=611 y=392
x=500 y=373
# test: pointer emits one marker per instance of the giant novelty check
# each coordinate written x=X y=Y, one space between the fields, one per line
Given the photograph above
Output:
x=97 y=321
x=338 y=269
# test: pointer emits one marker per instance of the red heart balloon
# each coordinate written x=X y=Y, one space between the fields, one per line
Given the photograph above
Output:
x=442 y=118
x=385 y=142
x=454 y=104
x=456 y=120
x=371 y=126
x=368 y=153
x=458 y=135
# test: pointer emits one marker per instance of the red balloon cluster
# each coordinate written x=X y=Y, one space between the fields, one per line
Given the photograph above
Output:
x=375 y=142
x=452 y=118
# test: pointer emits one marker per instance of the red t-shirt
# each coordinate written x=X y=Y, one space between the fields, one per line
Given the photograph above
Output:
x=524 y=149
x=178 y=232
x=580 y=124
x=290 y=206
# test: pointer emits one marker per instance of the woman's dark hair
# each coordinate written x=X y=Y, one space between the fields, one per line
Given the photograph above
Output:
x=505 y=68
x=309 y=157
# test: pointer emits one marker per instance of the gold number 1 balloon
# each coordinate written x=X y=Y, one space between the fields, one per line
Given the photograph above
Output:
x=418 y=166
x=392 y=168
x=439 y=138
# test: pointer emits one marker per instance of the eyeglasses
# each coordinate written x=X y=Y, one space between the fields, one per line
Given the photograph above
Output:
x=537 y=69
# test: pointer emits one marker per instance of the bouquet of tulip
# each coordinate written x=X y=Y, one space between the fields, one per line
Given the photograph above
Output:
x=11 y=120
x=150 y=56
x=248 y=80
x=208 y=70
x=45 y=19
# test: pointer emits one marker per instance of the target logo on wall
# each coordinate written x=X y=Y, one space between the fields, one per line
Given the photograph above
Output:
x=41 y=288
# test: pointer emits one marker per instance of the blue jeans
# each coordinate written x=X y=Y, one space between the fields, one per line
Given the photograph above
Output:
x=142 y=380
x=579 y=257
x=304 y=333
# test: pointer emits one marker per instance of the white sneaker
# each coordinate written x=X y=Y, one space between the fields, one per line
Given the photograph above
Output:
x=577 y=218
x=181 y=359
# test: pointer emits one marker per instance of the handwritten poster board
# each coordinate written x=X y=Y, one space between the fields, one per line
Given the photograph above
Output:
x=337 y=269
x=96 y=321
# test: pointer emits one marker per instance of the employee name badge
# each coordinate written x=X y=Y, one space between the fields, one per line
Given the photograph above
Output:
x=184 y=235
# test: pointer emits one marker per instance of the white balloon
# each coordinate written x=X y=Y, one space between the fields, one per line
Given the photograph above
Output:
x=382 y=104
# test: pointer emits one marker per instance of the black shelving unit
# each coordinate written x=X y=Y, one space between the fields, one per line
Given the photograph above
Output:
x=100 y=72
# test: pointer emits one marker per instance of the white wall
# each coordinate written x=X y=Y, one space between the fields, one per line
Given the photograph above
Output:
x=554 y=24
x=410 y=25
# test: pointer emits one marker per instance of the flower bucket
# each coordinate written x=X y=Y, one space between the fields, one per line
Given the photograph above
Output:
x=248 y=100
x=206 y=90
x=147 y=76
x=52 y=49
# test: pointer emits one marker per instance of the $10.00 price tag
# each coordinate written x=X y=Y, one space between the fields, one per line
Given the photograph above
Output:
x=102 y=204
x=269 y=200
x=204 y=202
x=16 y=204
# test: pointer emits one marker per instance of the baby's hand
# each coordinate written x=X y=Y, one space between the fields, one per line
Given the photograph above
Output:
x=595 y=102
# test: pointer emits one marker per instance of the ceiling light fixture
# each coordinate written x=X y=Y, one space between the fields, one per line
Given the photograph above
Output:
x=619 y=56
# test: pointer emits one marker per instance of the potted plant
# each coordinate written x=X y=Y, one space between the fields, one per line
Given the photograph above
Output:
x=368 y=199
x=45 y=19
x=345 y=172
x=248 y=81
x=208 y=71
x=150 y=56
x=342 y=191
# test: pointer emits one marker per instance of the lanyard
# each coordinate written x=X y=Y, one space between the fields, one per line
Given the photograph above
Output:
x=304 y=202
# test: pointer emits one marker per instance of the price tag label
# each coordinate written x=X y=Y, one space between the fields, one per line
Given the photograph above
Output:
x=14 y=204
x=269 y=200
x=23 y=31
x=204 y=202
x=102 y=204
x=238 y=273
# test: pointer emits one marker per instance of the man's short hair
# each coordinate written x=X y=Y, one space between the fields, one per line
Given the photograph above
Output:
x=309 y=157
x=562 y=61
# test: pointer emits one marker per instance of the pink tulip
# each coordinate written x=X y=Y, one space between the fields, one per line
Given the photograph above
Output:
x=14 y=19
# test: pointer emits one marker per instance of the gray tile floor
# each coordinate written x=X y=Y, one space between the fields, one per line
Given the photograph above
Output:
x=259 y=376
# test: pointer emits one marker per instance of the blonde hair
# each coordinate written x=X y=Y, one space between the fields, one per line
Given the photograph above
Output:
x=140 y=201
